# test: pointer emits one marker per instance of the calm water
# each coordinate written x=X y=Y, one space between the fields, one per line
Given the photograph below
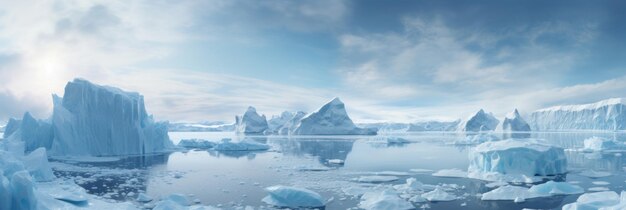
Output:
x=238 y=178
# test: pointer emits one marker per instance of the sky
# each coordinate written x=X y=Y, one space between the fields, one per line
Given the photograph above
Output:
x=389 y=61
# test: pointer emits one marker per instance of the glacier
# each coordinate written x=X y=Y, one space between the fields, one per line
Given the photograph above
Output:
x=330 y=119
x=93 y=120
x=251 y=122
x=603 y=115
x=516 y=160
x=481 y=121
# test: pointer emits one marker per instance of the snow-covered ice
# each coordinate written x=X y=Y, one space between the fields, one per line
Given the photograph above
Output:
x=608 y=114
x=458 y=173
x=292 y=197
x=481 y=121
x=196 y=143
x=556 y=188
x=330 y=119
x=607 y=200
x=515 y=159
x=251 y=122
x=438 y=194
x=245 y=145
x=383 y=200
x=596 y=144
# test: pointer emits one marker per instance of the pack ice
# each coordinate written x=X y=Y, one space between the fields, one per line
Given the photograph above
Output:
x=251 y=122
x=330 y=119
x=516 y=160
x=94 y=120
x=603 y=115
x=481 y=121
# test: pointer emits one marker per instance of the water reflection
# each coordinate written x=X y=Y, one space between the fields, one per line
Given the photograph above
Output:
x=324 y=150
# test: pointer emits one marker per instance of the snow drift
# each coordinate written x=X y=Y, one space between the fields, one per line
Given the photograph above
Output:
x=330 y=119
x=608 y=114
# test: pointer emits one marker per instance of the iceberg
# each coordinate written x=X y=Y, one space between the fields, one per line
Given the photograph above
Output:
x=608 y=114
x=290 y=125
x=384 y=200
x=37 y=165
x=515 y=158
x=513 y=122
x=376 y=179
x=556 y=188
x=438 y=194
x=598 y=200
x=245 y=145
x=251 y=122
x=292 y=197
x=196 y=144
x=434 y=126
x=34 y=133
x=330 y=119
x=597 y=144
x=278 y=121
x=481 y=121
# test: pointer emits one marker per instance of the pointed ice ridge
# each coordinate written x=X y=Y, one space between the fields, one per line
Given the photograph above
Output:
x=330 y=119
x=514 y=122
x=481 y=121
x=251 y=122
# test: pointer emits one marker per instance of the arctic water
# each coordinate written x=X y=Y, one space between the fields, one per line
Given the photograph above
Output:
x=328 y=165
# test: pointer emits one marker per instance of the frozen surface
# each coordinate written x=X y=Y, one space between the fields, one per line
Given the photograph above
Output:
x=514 y=122
x=278 y=121
x=596 y=144
x=598 y=200
x=603 y=115
x=34 y=133
x=292 y=197
x=330 y=119
x=556 y=188
x=523 y=158
x=245 y=145
x=251 y=122
x=383 y=200
x=438 y=194
x=196 y=143
x=481 y=121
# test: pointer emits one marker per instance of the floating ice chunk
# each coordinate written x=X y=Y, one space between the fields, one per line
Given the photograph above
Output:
x=421 y=170
x=481 y=121
x=596 y=200
x=180 y=199
x=438 y=194
x=330 y=119
x=600 y=144
x=556 y=188
x=23 y=191
x=245 y=145
x=65 y=191
x=458 y=173
x=37 y=164
x=496 y=184
x=292 y=197
x=196 y=143
x=142 y=197
x=5 y=193
x=509 y=192
x=251 y=122
x=598 y=189
x=376 y=179
x=601 y=183
x=412 y=185
x=384 y=200
x=515 y=158
x=594 y=174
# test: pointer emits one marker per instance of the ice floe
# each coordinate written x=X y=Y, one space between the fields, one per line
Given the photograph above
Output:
x=292 y=197
x=438 y=194
x=245 y=145
x=251 y=122
x=383 y=200
x=607 y=200
x=458 y=173
x=376 y=179
x=196 y=144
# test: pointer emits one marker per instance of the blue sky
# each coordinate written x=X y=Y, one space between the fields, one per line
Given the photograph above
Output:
x=388 y=60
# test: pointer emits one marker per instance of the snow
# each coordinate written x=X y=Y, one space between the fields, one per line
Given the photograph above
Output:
x=383 y=200
x=481 y=121
x=376 y=179
x=603 y=115
x=196 y=143
x=251 y=122
x=438 y=194
x=451 y=173
x=330 y=119
x=596 y=200
x=515 y=158
x=292 y=197
x=245 y=145
x=515 y=123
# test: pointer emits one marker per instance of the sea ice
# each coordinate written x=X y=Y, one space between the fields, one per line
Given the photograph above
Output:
x=509 y=192
x=601 y=144
x=376 y=179
x=245 y=145
x=597 y=200
x=556 y=188
x=512 y=158
x=292 y=197
x=481 y=121
x=594 y=174
x=196 y=143
x=251 y=122
x=384 y=200
x=458 y=173
x=142 y=197
x=330 y=119
x=37 y=164
x=438 y=194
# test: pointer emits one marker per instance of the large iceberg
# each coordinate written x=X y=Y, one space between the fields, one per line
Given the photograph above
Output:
x=516 y=160
x=251 y=122
x=330 y=119
x=481 y=121
x=94 y=120
x=608 y=114
x=291 y=124
x=607 y=200
x=514 y=122
x=278 y=121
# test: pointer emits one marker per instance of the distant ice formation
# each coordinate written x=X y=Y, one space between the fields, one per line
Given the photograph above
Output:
x=514 y=122
x=608 y=114
x=434 y=126
x=330 y=119
x=292 y=197
x=251 y=122
x=481 y=121
x=93 y=120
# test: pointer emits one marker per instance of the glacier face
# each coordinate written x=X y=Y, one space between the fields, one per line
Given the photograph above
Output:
x=481 y=121
x=330 y=119
x=251 y=122
x=94 y=120
x=608 y=114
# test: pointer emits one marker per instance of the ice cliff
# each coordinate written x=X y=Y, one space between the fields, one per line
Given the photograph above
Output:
x=330 y=119
x=608 y=114
x=251 y=122
x=94 y=120
x=481 y=121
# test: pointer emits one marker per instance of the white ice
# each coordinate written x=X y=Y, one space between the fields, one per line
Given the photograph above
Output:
x=438 y=194
x=251 y=122
x=383 y=200
x=603 y=115
x=330 y=119
x=196 y=143
x=245 y=145
x=607 y=200
x=292 y=197
x=458 y=173
x=376 y=179
x=481 y=121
